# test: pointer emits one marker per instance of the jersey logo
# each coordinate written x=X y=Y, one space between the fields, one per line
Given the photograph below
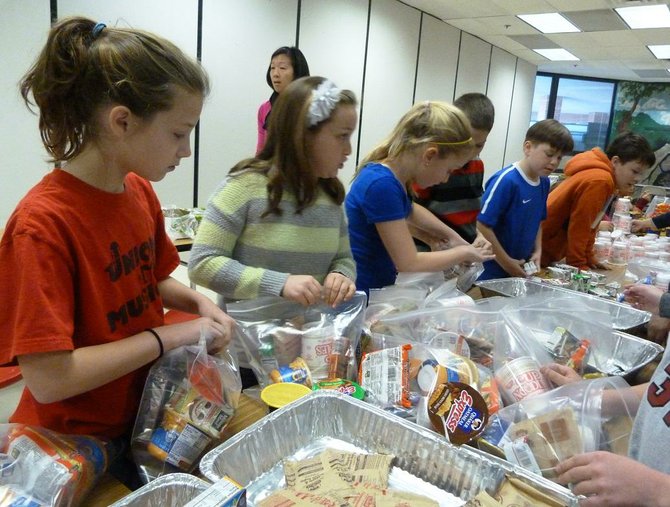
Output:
x=659 y=395
x=526 y=201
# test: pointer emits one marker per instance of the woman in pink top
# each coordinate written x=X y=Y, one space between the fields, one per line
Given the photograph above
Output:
x=286 y=65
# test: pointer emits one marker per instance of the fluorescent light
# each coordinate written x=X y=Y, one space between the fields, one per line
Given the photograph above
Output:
x=556 y=54
x=551 y=22
x=646 y=16
x=661 y=51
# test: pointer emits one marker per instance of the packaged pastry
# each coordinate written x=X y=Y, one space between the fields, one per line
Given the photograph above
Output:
x=384 y=374
x=457 y=411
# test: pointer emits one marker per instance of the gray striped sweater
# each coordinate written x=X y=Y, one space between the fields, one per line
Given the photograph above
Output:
x=243 y=256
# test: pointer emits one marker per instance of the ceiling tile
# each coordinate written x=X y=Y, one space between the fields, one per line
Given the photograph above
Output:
x=615 y=38
x=652 y=35
x=506 y=25
x=572 y=40
x=577 y=5
x=653 y=73
x=596 y=21
x=534 y=41
x=524 y=6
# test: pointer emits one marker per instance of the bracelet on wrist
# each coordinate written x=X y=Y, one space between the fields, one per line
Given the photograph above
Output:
x=158 y=339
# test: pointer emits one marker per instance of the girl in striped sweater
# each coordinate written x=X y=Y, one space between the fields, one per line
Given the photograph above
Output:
x=275 y=225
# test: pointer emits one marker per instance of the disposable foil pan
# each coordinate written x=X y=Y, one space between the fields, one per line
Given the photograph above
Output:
x=171 y=489
x=624 y=317
x=425 y=462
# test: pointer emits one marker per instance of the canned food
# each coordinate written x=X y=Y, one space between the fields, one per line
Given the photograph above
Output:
x=296 y=372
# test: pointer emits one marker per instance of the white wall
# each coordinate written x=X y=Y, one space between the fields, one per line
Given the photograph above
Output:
x=438 y=60
x=473 y=65
x=522 y=102
x=22 y=35
x=409 y=55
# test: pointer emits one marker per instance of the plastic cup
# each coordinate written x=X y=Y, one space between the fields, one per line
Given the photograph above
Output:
x=521 y=378
x=317 y=345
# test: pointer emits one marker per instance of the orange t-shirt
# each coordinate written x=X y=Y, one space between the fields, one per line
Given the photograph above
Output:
x=80 y=267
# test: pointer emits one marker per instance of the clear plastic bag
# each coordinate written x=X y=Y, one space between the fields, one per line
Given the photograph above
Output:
x=189 y=398
x=539 y=432
x=43 y=468
x=609 y=350
x=430 y=365
x=285 y=341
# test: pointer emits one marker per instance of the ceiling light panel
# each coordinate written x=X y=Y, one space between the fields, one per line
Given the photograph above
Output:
x=661 y=51
x=556 y=54
x=645 y=16
x=551 y=22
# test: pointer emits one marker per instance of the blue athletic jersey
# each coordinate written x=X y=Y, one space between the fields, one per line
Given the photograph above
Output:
x=376 y=195
x=513 y=207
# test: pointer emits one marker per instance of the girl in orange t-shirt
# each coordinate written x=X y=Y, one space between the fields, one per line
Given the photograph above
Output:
x=85 y=259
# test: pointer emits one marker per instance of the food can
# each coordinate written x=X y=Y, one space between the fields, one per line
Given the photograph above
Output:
x=296 y=372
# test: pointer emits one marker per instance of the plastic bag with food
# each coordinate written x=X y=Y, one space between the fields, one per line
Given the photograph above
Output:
x=189 y=398
x=285 y=341
x=39 y=467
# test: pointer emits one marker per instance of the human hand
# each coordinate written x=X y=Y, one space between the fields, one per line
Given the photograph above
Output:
x=601 y=265
x=475 y=254
x=337 y=288
x=453 y=238
x=560 y=375
x=605 y=225
x=208 y=308
x=514 y=267
x=536 y=258
x=607 y=479
x=481 y=242
x=303 y=289
x=642 y=225
x=188 y=333
x=644 y=297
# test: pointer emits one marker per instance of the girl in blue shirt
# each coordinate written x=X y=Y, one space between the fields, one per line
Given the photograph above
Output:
x=430 y=141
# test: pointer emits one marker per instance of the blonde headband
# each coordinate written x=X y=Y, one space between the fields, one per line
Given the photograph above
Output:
x=455 y=143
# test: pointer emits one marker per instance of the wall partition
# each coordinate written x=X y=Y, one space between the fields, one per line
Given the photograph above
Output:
x=388 y=53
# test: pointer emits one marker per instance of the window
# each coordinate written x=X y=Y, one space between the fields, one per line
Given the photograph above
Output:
x=583 y=105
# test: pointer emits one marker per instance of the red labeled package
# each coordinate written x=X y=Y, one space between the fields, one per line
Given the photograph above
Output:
x=384 y=374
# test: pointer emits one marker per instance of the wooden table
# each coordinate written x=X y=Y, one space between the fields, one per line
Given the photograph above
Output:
x=109 y=490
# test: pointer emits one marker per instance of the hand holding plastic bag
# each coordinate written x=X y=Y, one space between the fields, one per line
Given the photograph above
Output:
x=189 y=397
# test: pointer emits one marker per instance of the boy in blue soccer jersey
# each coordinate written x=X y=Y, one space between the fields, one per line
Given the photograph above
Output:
x=515 y=201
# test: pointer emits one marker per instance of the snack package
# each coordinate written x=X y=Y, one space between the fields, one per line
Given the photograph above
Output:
x=539 y=432
x=39 y=467
x=384 y=375
x=189 y=397
x=284 y=341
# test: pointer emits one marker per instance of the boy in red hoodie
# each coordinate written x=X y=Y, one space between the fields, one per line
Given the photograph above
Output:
x=576 y=206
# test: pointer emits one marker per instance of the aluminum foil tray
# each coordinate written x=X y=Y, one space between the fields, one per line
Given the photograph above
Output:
x=613 y=352
x=624 y=317
x=425 y=462
x=171 y=489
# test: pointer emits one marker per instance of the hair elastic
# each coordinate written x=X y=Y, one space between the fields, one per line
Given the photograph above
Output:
x=158 y=339
x=454 y=143
x=99 y=27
